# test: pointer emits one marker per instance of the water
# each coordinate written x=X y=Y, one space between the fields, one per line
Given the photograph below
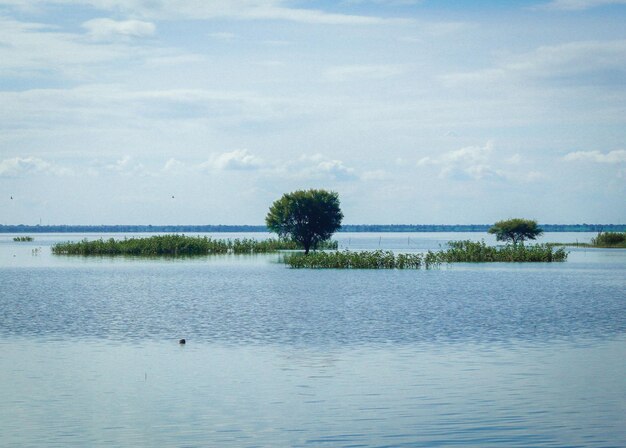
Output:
x=473 y=355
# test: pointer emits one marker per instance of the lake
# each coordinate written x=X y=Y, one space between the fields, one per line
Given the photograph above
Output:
x=468 y=354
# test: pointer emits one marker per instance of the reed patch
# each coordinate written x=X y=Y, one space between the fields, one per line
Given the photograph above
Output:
x=609 y=239
x=457 y=252
x=176 y=245
x=22 y=239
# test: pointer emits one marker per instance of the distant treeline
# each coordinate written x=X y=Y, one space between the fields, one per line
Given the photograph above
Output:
x=345 y=228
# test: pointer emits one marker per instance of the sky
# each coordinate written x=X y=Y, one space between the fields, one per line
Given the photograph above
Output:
x=414 y=111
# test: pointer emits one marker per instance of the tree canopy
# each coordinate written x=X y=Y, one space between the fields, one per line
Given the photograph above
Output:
x=305 y=216
x=516 y=230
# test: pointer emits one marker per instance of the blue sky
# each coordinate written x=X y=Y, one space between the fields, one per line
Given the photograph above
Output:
x=414 y=111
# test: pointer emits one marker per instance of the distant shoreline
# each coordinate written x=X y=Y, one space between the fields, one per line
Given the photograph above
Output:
x=379 y=228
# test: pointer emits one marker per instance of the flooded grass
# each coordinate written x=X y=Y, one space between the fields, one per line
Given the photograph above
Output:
x=176 y=245
x=457 y=252
x=604 y=240
x=478 y=252
x=379 y=259
x=23 y=238
x=609 y=239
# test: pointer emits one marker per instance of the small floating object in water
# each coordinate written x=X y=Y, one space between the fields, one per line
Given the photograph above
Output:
x=182 y=341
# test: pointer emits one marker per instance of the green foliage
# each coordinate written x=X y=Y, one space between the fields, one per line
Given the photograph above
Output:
x=609 y=239
x=175 y=245
x=516 y=230
x=23 y=238
x=474 y=251
x=458 y=252
x=346 y=259
x=307 y=217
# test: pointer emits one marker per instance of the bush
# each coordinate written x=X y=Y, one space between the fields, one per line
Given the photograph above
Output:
x=608 y=239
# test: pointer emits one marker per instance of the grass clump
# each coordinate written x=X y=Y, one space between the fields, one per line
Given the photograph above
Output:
x=379 y=259
x=457 y=252
x=478 y=252
x=609 y=239
x=175 y=245
x=604 y=240
x=23 y=238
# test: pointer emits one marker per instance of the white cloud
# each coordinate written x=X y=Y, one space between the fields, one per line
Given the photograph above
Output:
x=386 y=2
x=309 y=167
x=102 y=29
x=312 y=16
x=572 y=58
x=176 y=60
x=35 y=48
x=214 y=9
x=127 y=166
x=612 y=157
x=515 y=159
x=469 y=154
x=107 y=106
x=579 y=5
x=477 y=163
x=222 y=35
x=335 y=169
x=375 y=175
x=316 y=166
x=585 y=61
x=480 y=163
x=173 y=166
x=17 y=166
x=360 y=72
x=239 y=159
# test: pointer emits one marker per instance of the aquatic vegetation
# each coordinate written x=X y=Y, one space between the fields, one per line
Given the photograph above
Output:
x=379 y=259
x=609 y=239
x=479 y=252
x=176 y=245
x=457 y=252
x=23 y=238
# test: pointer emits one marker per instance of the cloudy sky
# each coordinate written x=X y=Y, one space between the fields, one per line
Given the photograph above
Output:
x=415 y=111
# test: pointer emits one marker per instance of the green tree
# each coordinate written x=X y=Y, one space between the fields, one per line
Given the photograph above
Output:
x=516 y=230
x=307 y=217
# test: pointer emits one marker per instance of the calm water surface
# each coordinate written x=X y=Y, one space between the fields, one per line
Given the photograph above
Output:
x=473 y=355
